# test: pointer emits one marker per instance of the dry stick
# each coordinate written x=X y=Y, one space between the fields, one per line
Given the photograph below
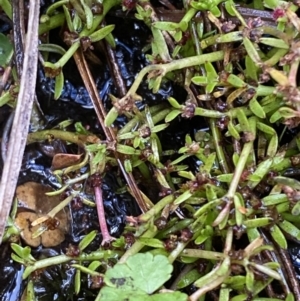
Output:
x=292 y=278
x=19 y=33
x=286 y=270
x=21 y=122
x=109 y=133
x=115 y=70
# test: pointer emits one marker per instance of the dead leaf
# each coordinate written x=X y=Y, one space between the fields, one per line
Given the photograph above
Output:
x=23 y=222
x=32 y=196
x=65 y=160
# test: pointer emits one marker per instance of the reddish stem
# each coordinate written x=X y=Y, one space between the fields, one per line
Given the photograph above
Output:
x=106 y=238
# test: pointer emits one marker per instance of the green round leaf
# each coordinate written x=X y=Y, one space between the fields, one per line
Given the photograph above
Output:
x=142 y=272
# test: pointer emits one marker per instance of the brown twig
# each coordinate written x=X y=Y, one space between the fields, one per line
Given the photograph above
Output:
x=115 y=70
x=19 y=33
x=21 y=122
x=291 y=275
x=176 y=15
x=109 y=133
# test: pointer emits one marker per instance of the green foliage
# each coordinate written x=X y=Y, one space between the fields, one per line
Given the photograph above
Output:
x=242 y=83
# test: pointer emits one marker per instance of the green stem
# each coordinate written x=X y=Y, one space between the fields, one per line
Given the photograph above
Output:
x=159 y=109
x=51 y=9
x=222 y=38
x=248 y=147
x=274 y=59
x=273 y=31
x=209 y=113
x=54 y=22
x=177 y=251
x=44 y=263
x=219 y=150
x=189 y=15
x=156 y=208
x=107 y=5
x=137 y=246
x=175 y=65
x=62 y=135
x=70 y=52
x=210 y=255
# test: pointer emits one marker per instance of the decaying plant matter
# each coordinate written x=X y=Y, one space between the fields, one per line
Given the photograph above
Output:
x=218 y=230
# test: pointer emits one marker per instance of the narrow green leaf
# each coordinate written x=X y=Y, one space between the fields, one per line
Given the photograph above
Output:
x=296 y=209
x=293 y=183
x=242 y=118
x=275 y=117
x=17 y=259
x=273 y=146
x=88 y=14
x=227 y=178
x=236 y=81
x=77 y=282
x=173 y=102
x=160 y=44
x=188 y=279
x=278 y=43
x=251 y=68
x=128 y=166
x=265 y=128
x=274 y=199
x=87 y=240
x=30 y=295
x=235 y=159
x=249 y=280
x=94 y=265
x=172 y=115
x=183 y=197
x=199 y=80
x=17 y=249
x=127 y=150
x=238 y=205
x=151 y=242
x=168 y=26
x=59 y=85
x=252 y=52
x=232 y=131
x=258 y=222
x=210 y=192
x=278 y=236
x=111 y=116
x=52 y=48
x=256 y=108
x=101 y=33
x=290 y=229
